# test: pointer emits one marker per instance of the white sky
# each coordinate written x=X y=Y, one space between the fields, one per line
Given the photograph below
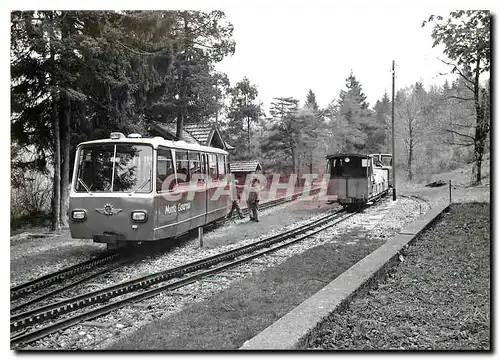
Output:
x=287 y=50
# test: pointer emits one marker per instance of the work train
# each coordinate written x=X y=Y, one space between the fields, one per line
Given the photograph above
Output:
x=134 y=189
x=356 y=179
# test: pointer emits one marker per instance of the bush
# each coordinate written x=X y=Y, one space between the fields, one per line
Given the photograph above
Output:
x=39 y=219
x=31 y=198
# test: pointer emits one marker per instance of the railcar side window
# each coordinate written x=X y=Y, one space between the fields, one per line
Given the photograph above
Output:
x=221 y=166
x=194 y=163
x=204 y=164
x=212 y=166
x=182 y=165
x=164 y=170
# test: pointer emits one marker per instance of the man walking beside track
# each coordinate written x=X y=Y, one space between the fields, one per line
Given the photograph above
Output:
x=236 y=191
x=253 y=201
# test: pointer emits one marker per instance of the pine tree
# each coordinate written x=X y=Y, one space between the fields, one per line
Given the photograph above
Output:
x=383 y=117
x=285 y=131
x=244 y=110
x=311 y=101
x=354 y=120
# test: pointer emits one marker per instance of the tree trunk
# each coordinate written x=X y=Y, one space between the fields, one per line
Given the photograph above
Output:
x=481 y=126
x=65 y=147
x=298 y=171
x=248 y=136
x=410 y=146
x=184 y=73
x=180 y=124
x=410 y=156
x=479 y=161
x=56 y=196
x=56 y=203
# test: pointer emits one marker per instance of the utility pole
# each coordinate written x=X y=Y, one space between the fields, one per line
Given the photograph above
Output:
x=393 y=140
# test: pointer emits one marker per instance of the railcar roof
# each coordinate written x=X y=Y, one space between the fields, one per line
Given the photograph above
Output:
x=158 y=141
x=347 y=154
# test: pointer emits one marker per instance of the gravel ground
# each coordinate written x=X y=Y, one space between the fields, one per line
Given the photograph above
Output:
x=438 y=298
x=39 y=252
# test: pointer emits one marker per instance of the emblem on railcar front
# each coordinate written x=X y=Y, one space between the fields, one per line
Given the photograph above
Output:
x=108 y=210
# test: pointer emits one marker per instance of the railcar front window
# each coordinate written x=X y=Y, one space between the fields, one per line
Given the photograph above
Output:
x=353 y=168
x=387 y=160
x=115 y=168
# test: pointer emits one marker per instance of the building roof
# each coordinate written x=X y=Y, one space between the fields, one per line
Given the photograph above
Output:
x=168 y=131
x=245 y=166
x=201 y=132
x=196 y=133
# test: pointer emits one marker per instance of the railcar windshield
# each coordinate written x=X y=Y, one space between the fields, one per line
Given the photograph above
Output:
x=115 y=168
x=387 y=160
x=348 y=166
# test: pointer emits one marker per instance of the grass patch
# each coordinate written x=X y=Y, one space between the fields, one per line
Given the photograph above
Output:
x=227 y=320
x=437 y=299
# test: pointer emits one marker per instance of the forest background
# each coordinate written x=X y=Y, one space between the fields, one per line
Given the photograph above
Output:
x=79 y=75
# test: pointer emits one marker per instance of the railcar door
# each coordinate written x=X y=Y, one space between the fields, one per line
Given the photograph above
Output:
x=165 y=199
x=212 y=186
x=197 y=194
x=217 y=199
x=182 y=191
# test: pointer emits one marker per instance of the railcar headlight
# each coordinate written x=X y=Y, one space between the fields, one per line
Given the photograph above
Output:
x=139 y=216
x=78 y=215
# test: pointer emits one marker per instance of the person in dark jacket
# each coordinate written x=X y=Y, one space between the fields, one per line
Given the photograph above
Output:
x=236 y=191
x=253 y=201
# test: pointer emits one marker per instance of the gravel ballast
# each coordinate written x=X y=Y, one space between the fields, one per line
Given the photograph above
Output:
x=273 y=286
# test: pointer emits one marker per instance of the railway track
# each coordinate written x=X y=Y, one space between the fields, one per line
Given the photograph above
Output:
x=151 y=285
x=19 y=291
x=108 y=260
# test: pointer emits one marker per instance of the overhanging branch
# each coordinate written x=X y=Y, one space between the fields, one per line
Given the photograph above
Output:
x=457 y=133
x=459 y=72
x=458 y=144
x=458 y=97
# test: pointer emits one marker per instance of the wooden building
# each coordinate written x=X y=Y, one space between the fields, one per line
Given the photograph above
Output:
x=241 y=169
x=195 y=133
